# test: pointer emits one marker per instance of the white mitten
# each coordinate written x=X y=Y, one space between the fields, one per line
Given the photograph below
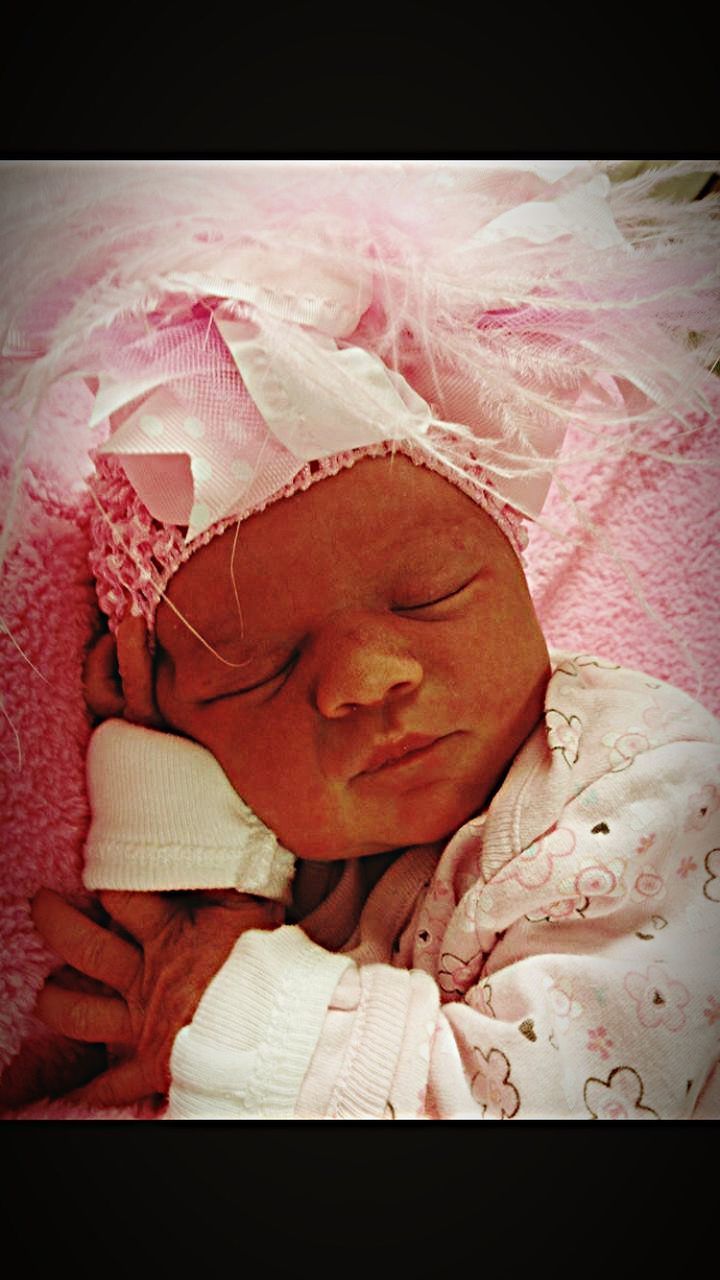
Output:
x=164 y=816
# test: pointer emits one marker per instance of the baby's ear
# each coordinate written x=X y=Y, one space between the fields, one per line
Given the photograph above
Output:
x=101 y=678
x=118 y=675
x=136 y=673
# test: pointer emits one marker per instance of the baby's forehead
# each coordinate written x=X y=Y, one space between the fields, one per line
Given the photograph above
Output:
x=376 y=506
x=382 y=516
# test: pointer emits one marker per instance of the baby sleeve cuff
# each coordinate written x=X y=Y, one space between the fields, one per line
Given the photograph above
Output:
x=250 y=1044
x=166 y=817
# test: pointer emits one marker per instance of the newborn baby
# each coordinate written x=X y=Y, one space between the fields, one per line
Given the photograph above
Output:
x=362 y=846
x=520 y=921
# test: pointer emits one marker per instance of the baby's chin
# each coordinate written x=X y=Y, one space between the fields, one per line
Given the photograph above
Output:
x=424 y=829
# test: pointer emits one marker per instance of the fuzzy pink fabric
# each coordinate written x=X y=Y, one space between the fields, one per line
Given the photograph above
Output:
x=49 y=607
x=663 y=520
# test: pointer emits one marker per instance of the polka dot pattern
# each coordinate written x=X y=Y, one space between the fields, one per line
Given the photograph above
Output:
x=200 y=514
x=151 y=425
x=241 y=470
x=194 y=427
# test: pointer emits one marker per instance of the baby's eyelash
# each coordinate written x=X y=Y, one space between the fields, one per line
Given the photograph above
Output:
x=259 y=684
x=426 y=604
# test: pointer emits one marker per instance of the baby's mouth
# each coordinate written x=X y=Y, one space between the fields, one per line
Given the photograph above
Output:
x=395 y=753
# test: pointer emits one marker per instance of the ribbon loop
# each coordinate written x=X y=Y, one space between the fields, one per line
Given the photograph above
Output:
x=317 y=398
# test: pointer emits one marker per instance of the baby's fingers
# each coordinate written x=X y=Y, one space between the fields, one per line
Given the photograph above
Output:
x=48 y=1069
x=95 y=1019
x=83 y=944
x=117 y=1087
x=144 y=915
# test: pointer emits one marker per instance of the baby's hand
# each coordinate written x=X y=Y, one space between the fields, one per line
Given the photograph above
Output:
x=177 y=944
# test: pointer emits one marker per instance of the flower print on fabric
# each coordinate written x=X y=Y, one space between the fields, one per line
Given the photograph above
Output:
x=701 y=806
x=560 y=910
x=645 y=843
x=649 y=886
x=456 y=975
x=659 y=999
x=656 y=717
x=711 y=887
x=686 y=866
x=437 y=908
x=574 y=666
x=565 y=1008
x=712 y=1012
x=655 y=922
x=439 y=901
x=617 y=1098
x=593 y=879
x=535 y=865
x=468 y=927
x=564 y=734
x=492 y=1088
x=432 y=923
x=624 y=747
x=480 y=998
x=598 y=1041
x=600 y=880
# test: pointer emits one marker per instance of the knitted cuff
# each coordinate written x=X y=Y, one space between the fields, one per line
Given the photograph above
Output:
x=166 y=817
x=249 y=1046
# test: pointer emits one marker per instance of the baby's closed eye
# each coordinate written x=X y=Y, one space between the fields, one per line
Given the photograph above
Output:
x=435 y=596
x=260 y=682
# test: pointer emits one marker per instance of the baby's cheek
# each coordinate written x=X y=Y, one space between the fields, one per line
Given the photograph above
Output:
x=309 y=824
x=280 y=781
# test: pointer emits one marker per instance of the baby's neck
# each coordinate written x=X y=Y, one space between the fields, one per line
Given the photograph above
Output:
x=315 y=881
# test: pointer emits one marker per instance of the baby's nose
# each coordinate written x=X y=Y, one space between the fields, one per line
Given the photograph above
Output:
x=362 y=665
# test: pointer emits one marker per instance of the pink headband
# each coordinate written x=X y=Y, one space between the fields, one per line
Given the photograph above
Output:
x=133 y=556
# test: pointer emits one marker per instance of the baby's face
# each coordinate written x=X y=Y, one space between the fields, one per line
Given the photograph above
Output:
x=391 y=663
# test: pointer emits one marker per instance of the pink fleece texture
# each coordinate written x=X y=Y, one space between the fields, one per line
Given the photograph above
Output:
x=662 y=519
x=50 y=610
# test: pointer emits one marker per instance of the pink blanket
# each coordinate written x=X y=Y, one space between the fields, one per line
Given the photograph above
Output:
x=662 y=520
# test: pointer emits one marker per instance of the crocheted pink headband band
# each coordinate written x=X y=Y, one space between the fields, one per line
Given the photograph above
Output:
x=133 y=556
x=248 y=330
